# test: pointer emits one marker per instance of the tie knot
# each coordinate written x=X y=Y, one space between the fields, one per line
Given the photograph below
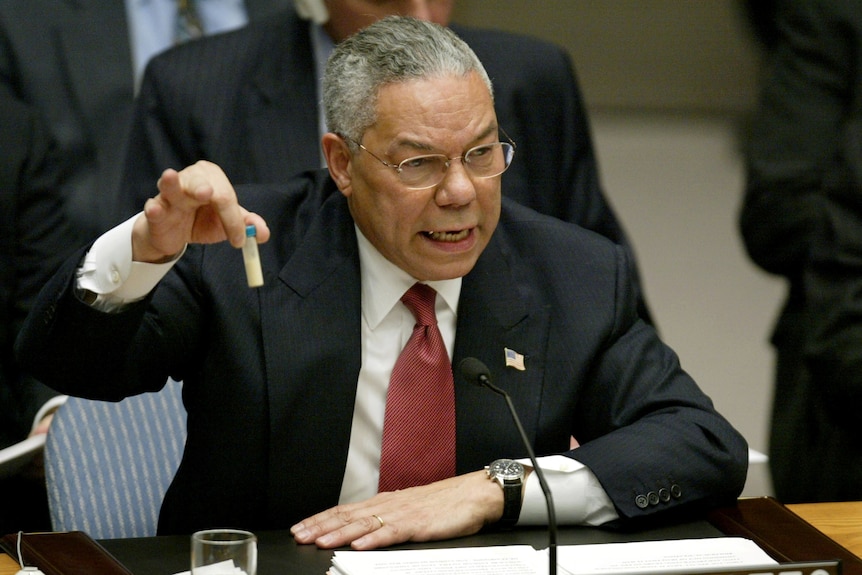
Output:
x=188 y=23
x=420 y=299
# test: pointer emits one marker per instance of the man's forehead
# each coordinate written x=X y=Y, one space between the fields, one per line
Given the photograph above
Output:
x=432 y=94
x=415 y=119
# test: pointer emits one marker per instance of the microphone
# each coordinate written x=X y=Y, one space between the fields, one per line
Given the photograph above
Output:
x=478 y=373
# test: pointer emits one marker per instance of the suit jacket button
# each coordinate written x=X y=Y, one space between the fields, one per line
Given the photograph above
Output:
x=641 y=501
x=653 y=498
x=676 y=491
x=664 y=494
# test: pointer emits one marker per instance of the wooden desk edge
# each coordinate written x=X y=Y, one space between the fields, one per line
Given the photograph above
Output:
x=8 y=565
x=841 y=522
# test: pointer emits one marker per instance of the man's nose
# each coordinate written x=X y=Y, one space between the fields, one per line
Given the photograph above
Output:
x=457 y=187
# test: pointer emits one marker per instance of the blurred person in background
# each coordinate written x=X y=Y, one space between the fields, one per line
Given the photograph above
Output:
x=802 y=219
x=35 y=239
x=76 y=65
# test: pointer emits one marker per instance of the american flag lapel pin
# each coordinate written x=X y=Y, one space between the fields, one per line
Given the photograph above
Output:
x=514 y=359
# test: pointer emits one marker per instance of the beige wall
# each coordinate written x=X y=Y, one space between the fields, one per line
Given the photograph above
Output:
x=669 y=85
x=659 y=54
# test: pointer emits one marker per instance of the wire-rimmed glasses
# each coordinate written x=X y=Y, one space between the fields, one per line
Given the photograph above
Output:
x=421 y=172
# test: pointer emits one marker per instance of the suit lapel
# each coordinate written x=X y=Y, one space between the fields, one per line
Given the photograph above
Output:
x=312 y=371
x=495 y=313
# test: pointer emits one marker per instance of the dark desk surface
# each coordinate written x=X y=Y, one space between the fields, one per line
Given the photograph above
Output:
x=278 y=554
x=779 y=531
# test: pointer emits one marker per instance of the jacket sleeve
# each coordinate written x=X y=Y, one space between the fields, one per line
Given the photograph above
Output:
x=650 y=435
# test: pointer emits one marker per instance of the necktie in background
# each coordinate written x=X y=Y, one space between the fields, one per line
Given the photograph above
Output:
x=188 y=24
x=419 y=425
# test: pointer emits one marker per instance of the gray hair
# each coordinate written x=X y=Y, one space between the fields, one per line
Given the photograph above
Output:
x=392 y=50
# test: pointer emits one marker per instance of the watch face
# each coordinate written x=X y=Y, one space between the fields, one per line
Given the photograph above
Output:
x=506 y=469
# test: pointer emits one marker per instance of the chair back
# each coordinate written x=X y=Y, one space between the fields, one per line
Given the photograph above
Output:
x=108 y=465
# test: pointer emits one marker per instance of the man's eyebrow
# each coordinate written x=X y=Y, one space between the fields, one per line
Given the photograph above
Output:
x=423 y=147
x=488 y=131
x=408 y=143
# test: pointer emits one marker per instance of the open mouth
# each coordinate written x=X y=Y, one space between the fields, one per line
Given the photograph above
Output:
x=455 y=236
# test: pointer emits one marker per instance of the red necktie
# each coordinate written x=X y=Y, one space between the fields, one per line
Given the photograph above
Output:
x=419 y=426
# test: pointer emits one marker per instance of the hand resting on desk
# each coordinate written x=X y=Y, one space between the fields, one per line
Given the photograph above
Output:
x=454 y=507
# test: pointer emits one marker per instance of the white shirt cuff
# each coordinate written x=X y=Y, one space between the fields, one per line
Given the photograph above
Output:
x=109 y=272
x=579 y=498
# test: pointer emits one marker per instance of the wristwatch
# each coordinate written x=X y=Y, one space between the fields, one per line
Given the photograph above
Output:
x=510 y=475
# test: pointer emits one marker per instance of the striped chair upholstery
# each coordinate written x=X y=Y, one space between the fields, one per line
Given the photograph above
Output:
x=108 y=465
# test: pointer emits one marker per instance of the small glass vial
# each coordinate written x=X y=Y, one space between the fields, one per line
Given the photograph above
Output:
x=251 y=257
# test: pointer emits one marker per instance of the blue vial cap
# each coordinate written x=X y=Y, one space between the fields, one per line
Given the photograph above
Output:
x=250 y=231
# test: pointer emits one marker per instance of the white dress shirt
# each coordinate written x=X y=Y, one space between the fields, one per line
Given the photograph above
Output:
x=109 y=272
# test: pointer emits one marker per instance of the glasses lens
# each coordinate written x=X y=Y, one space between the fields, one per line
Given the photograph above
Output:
x=485 y=161
x=488 y=160
x=423 y=171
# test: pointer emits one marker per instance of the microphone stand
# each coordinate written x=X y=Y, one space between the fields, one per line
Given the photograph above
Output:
x=549 y=500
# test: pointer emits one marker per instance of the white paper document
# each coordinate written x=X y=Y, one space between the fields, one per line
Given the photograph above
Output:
x=509 y=559
x=674 y=556
x=642 y=557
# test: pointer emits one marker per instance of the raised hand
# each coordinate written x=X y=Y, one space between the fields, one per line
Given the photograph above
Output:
x=195 y=205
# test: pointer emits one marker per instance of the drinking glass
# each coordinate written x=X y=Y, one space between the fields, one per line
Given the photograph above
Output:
x=224 y=552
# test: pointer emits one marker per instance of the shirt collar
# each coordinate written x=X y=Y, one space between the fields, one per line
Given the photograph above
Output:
x=383 y=284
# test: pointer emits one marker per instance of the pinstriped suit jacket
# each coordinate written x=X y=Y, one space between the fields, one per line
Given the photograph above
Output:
x=270 y=374
x=71 y=61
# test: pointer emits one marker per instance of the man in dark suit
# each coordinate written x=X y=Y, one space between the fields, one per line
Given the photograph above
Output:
x=802 y=219
x=34 y=243
x=75 y=63
x=286 y=385
x=249 y=102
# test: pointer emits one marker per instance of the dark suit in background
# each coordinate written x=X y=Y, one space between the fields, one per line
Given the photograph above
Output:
x=270 y=374
x=802 y=219
x=248 y=101
x=70 y=60
x=33 y=243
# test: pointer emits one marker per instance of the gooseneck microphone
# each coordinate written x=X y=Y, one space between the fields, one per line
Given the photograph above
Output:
x=478 y=373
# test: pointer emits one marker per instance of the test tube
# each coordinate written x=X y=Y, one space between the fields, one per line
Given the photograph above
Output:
x=251 y=258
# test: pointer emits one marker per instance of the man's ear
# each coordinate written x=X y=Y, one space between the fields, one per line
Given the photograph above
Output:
x=338 y=158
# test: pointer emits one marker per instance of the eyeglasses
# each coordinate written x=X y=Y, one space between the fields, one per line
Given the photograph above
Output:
x=421 y=172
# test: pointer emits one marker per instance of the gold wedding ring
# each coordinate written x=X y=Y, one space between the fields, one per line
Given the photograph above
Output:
x=377 y=517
